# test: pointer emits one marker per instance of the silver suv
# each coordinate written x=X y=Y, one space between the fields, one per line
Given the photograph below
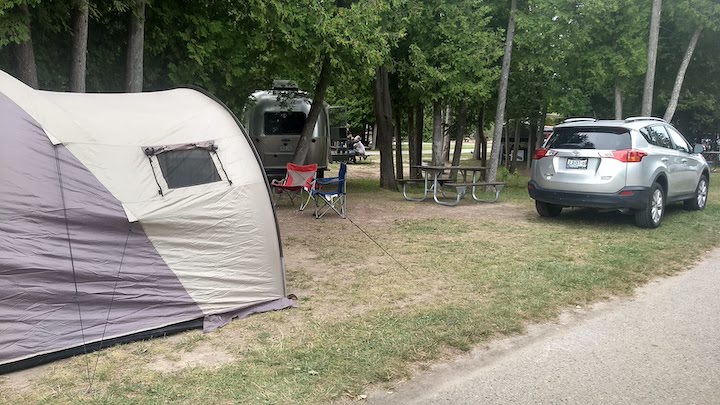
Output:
x=637 y=165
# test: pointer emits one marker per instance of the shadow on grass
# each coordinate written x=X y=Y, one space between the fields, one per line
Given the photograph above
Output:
x=613 y=218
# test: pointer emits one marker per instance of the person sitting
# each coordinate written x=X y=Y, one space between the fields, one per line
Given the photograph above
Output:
x=350 y=147
x=358 y=149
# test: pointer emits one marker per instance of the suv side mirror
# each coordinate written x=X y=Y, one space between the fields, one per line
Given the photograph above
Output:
x=699 y=148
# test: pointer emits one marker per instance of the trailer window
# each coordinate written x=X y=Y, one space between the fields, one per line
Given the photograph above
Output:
x=284 y=123
x=185 y=168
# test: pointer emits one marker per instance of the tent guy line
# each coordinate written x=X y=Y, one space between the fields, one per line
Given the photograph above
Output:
x=76 y=296
x=107 y=317
x=381 y=248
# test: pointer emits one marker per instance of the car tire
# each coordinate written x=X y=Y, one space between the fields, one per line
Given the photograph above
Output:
x=547 y=210
x=651 y=215
x=698 y=202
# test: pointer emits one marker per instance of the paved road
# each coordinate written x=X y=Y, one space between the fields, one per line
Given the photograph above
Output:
x=660 y=347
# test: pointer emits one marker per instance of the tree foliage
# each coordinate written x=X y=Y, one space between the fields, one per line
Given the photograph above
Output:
x=569 y=55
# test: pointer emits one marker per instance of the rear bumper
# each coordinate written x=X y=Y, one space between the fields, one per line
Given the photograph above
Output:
x=636 y=198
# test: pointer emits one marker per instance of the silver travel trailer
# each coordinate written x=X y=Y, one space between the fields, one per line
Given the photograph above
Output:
x=274 y=120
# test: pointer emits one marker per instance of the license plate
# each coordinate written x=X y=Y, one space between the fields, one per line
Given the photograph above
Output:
x=576 y=163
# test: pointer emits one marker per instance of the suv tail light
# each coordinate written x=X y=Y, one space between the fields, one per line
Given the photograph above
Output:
x=543 y=152
x=629 y=155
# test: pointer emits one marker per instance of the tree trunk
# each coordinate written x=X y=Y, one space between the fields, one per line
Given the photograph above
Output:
x=78 y=56
x=516 y=147
x=652 y=58
x=506 y=145
x=412 y=155
x=419 y=129
x=461 y=124
x=618 y=101
x=447 y=124
x=479 y=135
x=541 y=132
x=437 y=136
x=25 y=53
x=532 y=134
x=398 y=147
x=502 y=94
x=136 y=43
x=483 y=138
x=383 y=119
x=672 y=105
x=318 y=103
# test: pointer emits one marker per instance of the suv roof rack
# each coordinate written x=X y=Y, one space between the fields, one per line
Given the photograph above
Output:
x=632 y=119
x=580 y=119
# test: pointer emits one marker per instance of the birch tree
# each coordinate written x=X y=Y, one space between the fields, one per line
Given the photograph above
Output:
x=675 y=95
x=502 y=95
x=646 y=109
x=695 y=16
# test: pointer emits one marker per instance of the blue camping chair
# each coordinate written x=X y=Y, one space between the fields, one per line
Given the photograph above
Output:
x=330 y=193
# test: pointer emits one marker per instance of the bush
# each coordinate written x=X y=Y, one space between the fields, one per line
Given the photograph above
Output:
x=511 y=179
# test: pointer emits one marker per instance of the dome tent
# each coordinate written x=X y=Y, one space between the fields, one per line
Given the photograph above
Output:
x=124 y=216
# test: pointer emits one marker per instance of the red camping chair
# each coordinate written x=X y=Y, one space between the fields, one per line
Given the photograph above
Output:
x=299 y=178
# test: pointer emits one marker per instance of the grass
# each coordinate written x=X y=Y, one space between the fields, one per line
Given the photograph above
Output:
x=467 y=275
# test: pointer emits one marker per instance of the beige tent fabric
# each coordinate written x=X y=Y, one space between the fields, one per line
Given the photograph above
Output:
x=220 y=239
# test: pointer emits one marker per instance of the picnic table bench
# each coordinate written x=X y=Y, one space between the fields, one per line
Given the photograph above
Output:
x=462 y=189
x=428 y=187
x=438 y=182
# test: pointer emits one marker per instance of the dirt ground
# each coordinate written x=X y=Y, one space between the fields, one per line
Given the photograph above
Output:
x=369 y=215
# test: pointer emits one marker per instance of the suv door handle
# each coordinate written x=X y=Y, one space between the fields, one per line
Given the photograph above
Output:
x=683 y=160
x=665 y=159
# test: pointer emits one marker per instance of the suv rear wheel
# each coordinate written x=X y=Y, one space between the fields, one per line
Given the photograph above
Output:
x=651 y=215
x=547 y=210
x=701 y=192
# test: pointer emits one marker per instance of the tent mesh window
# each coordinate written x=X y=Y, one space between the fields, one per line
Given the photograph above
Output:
x=185 y=168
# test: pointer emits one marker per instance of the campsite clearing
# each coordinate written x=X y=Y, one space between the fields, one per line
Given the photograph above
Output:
x=469 y=274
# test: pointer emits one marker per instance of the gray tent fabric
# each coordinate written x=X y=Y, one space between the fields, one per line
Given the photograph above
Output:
x=39 y=312
x=96 y=246
x=213 y=322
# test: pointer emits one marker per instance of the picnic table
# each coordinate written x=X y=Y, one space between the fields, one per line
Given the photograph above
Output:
x=713 y=159
x=344 y=154
x=434 y=179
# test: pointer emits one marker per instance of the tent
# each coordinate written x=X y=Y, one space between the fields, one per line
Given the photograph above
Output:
x=126 y=216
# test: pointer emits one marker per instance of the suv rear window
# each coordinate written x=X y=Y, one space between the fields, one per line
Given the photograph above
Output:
x=590 y=138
